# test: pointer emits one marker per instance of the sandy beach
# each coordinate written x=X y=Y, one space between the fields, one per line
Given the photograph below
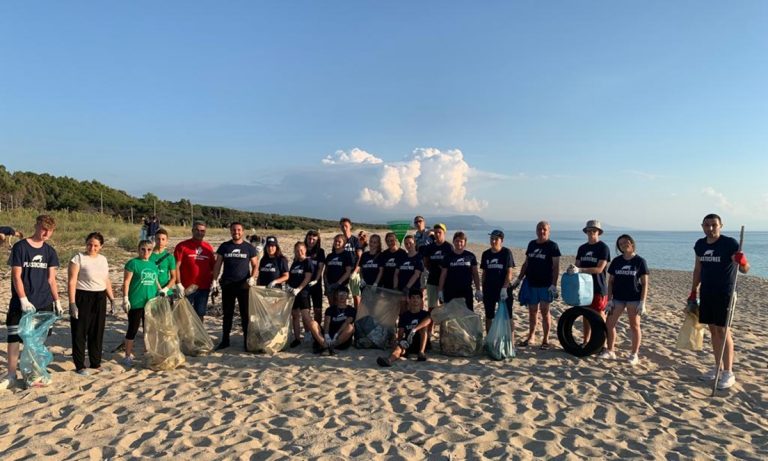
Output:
x=540 y=405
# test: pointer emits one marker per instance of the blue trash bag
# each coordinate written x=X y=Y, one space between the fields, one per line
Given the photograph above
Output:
x=35 y=357
x=498 y=343
x=577 y=289
x=524 y=295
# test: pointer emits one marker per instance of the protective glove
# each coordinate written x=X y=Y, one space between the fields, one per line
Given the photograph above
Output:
x=640 y=308
x=312 y=283
x=295 y=291
x=609 y=306
x=572 y=269
x=478 y=295
x=375 y=285
x=193 y=288
x=163 y=292
x=251 y=281
x=111 y=307
x=126 y=304
x=27 y=306
x=740 y=258
x=553 y=291
x=73 y=312
x=404 y=344
x=440 y=297
x=179 y=289
x=503 y=294
x=57 y=309
x=271 y=284
x=515 y=283
x=411 y=335
x=362 y=283
x=692 y=304
x=328 y=340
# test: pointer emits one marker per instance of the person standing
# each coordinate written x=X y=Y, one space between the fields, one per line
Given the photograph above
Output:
x=369 y=262
x=421 y=236
x=408 y=273
x=718 y=257
x=338 y=268
x=152 y=228
x=300 y=275
x=497 y=264
x=593 y=258
x=139 y=286
x=389 y=261
x=166 y=263
x=354 y=247
x=273 y=267
x=240 y=263
x=194 y=266
x=458 y=271
x=89 y=288
x=33 y=286
x=316 y=255
x=627 y=288
x=541 y=268
x=433 y=257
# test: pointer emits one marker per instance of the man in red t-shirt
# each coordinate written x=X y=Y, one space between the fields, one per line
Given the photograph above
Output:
x=194 y=267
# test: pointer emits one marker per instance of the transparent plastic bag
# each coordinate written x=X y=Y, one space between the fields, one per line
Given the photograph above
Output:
x=461 y=330
x=192 y=335
x=163 y=349
x=269 y=315
x=691 y=336
x=376 y=320
x=498 y=343
x=35 y=357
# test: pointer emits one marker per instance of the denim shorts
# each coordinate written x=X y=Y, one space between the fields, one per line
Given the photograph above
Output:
x=539 y=295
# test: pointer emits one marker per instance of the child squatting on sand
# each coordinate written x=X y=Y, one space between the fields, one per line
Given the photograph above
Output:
x=412 y=328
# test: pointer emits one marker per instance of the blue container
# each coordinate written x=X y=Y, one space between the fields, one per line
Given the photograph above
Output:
x=577 y=289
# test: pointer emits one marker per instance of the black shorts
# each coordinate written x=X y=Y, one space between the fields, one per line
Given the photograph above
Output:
x=301 y=301
x=490 y=302
x=713 y=308
x=12 y=322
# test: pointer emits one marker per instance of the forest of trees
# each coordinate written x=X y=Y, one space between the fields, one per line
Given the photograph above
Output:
x=45 y=192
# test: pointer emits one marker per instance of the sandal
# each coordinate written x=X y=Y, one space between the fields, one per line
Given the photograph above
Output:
x=545 y=346
x=523 y=343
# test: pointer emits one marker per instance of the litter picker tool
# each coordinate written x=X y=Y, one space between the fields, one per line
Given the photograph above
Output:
x=731 y=308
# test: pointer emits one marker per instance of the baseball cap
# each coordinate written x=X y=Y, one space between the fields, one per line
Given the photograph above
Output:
x=497 y=233
x=440 y=226
x=271 y=240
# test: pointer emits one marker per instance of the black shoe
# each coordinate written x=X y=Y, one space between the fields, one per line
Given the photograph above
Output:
x=404 y=355
x=422 y=357
x=331 y=351
x=383 y=362
x=222 y=345
x=316 y=348
x=295 y=343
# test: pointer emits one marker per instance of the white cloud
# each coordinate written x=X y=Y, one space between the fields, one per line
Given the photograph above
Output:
x=355 y=156
x=429 y=179
x=719 y=198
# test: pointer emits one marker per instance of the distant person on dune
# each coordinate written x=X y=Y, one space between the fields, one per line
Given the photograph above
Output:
x=7 y=233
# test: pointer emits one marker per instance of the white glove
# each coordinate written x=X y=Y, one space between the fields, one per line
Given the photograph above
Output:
x=295 y=291
x=126 y=304
x=362 y=284
x=179 y=289
x=57 y=309
x=73 y=312
x=271 y=284
x=375 y=285
x=411 y=335
x=515 y=283
x=503 y=294
x=426 y=274
x=440 y=297
x=27 y=306
x=553 y=291
x=312 y=283
x=609 y=306
x=163 y=291
x=572 y=269
x=251 y=281
x=640 y=308
x=478 y=295
x=328 y=340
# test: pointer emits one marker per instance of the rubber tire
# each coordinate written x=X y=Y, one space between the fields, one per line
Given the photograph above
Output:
x=565 y=331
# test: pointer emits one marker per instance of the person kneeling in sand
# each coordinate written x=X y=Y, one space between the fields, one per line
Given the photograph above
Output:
x=338 y=325
x=413 y=326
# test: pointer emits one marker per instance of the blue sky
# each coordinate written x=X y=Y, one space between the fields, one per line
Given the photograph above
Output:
x=643 y=114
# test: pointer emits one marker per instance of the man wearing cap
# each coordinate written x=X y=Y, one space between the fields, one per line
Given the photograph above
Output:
x=593 y=258
x=240 y=263
x=194 y=266
x=540 y=269
x=433 y=258
x=497 y=263
x=421 y=236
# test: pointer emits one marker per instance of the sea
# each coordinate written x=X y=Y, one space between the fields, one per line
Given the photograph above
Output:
x=661 y=249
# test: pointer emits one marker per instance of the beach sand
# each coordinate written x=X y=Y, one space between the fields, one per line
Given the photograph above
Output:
x=542 y=404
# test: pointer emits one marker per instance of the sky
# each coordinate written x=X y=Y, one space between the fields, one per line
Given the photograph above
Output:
x=645 y=115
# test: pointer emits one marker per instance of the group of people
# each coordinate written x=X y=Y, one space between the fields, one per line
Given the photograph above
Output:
x=428 y=267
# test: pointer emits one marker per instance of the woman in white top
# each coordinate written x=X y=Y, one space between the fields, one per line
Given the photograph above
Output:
x=89 y=289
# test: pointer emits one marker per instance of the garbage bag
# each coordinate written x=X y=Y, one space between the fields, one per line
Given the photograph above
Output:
x=524 y=295
x=498 y=343
x=691 y=336
x=461 y=330
x=35 y=357
x=376 y=321
x=269 y=315
x=194 y=339
x=160 y=337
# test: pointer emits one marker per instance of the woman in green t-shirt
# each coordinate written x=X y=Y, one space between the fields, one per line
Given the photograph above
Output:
x=139 y=286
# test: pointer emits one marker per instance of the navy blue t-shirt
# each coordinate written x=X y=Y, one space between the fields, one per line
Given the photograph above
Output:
x=390 y=260
x=538 y=271
x=351 y=247
x=718 y=270
x=338 y=317
x=34 y=263
x=316 y=257
x=369 y=267
x=271 y=269
x=495 y=267
x=297 y=272
x=627 y=275
x=434 y=254
x=409 y=265
x=589 y=255
x=459 y=275
x=236 y=261
x=335 y=266
x=408 y=320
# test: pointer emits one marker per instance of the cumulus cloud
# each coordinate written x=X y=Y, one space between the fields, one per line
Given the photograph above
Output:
x=719 y=198
x=355 y=156
x=428 y=178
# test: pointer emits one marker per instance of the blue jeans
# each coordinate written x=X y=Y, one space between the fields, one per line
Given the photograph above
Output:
x=199 y=301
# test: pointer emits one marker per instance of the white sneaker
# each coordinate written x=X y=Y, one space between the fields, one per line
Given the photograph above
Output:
x=634 y=359
x=708 y=375
x=727 y=379
x=606 y=354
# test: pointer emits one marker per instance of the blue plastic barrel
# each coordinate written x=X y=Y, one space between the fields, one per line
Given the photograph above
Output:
x=576 y=289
